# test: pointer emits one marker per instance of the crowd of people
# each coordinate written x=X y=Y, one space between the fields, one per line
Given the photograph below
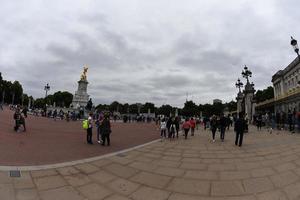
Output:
x=170 y=127
x=278 y=121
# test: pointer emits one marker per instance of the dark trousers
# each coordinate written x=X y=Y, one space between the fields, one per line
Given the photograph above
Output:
x=192 y=131
x=17 y=125
x=105 y=137
x=239 y=138
x=222 y=135
x=186 y=131
x=163 y=133
x=213 y=130
x=89 y=134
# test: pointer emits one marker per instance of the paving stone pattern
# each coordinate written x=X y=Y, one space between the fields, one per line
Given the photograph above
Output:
x=266 y=167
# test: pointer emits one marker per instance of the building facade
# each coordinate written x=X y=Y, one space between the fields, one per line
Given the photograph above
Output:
x=287 y=88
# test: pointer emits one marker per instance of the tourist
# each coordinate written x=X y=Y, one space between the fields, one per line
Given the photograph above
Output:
x=290 y=120
x=172 y=129
x=169 y=121
x=89 y=130
x=177 y=122
x=1 y=106
x=22 y=122
x=186 y=127
x=17 y=117
x=54 y=114
x=193 y=125
x=213 y=126
x=259 y=122
x=223 y=124
x=24 y=111
x=239 y=128
x=99 y=126
x=163 y=129
x=106 y=130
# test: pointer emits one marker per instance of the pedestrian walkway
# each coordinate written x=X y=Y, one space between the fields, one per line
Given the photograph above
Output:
x=266 y=167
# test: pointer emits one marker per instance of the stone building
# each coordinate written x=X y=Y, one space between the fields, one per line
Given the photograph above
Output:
x=287 y=88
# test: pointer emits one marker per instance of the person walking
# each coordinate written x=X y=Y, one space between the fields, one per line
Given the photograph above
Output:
x=99 y=124
x=239 y=128
x=89 y=130
x=259 y=122
x=106 y=130
x=177 y=122
x=213 y=126
x=172 y=129
x=186 y=127
x=163 y=129
x=193 y=126
x=223 y=125
x=17 y=118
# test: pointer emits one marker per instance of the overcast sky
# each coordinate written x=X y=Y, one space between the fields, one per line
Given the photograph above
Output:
x=146 y=50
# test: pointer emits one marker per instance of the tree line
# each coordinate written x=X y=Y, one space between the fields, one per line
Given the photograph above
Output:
x=12 y=93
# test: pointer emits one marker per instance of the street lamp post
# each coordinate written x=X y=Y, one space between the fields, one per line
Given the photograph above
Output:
x=295 y=46
x=239 y=84
x=246 y=73
x=47 y=88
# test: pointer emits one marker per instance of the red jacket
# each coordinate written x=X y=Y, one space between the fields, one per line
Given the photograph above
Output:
x=193 y=123
x=186 y=125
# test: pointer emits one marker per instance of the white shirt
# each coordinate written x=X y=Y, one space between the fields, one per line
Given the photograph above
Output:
x=163 y=125
x=90 y=119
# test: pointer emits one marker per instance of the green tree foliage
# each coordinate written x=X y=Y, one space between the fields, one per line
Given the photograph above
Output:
x=61 y=99
x=165 y=110
x=16 y=91
x=190 y=109
x=40 y=103
x=147 y=106
x=265 y=94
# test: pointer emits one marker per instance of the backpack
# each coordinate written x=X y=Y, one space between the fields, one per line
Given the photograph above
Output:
x=85 y=124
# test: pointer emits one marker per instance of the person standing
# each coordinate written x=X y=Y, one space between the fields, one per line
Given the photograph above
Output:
x=89 y=135
x=193 y=125
x=163 y=129
x=213 y=126
x=172 y=129
x=223 y=125
x=106 y=130
x=239 y=127
x=186 y=127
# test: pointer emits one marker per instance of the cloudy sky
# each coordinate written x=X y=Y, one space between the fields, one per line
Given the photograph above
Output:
x=146 y=50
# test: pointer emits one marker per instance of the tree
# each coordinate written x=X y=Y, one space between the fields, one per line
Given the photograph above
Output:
x=165 y=110
x=265 y=94
x=16 y=91
x=133 y=109
x=190 y=109
x=148 y=106
x=114 y=106
x=61 y=99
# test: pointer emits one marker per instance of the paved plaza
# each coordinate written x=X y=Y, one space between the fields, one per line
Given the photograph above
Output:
x=48 y=142
x=266 y=167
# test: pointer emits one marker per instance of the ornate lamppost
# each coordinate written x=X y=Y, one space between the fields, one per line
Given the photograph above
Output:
x=246 y=73
x=47 y=88
x=239 y=85
x=295 y=46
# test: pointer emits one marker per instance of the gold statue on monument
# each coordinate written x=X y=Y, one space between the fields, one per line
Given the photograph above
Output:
x=83 y=76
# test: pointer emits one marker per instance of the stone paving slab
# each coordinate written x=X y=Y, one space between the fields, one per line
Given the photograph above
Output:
x=193 y=169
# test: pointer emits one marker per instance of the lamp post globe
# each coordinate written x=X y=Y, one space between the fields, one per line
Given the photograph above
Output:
x=294 y=44
x=47 y=88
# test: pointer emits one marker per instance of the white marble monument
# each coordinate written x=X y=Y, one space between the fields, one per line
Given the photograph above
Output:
x=81 y=96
